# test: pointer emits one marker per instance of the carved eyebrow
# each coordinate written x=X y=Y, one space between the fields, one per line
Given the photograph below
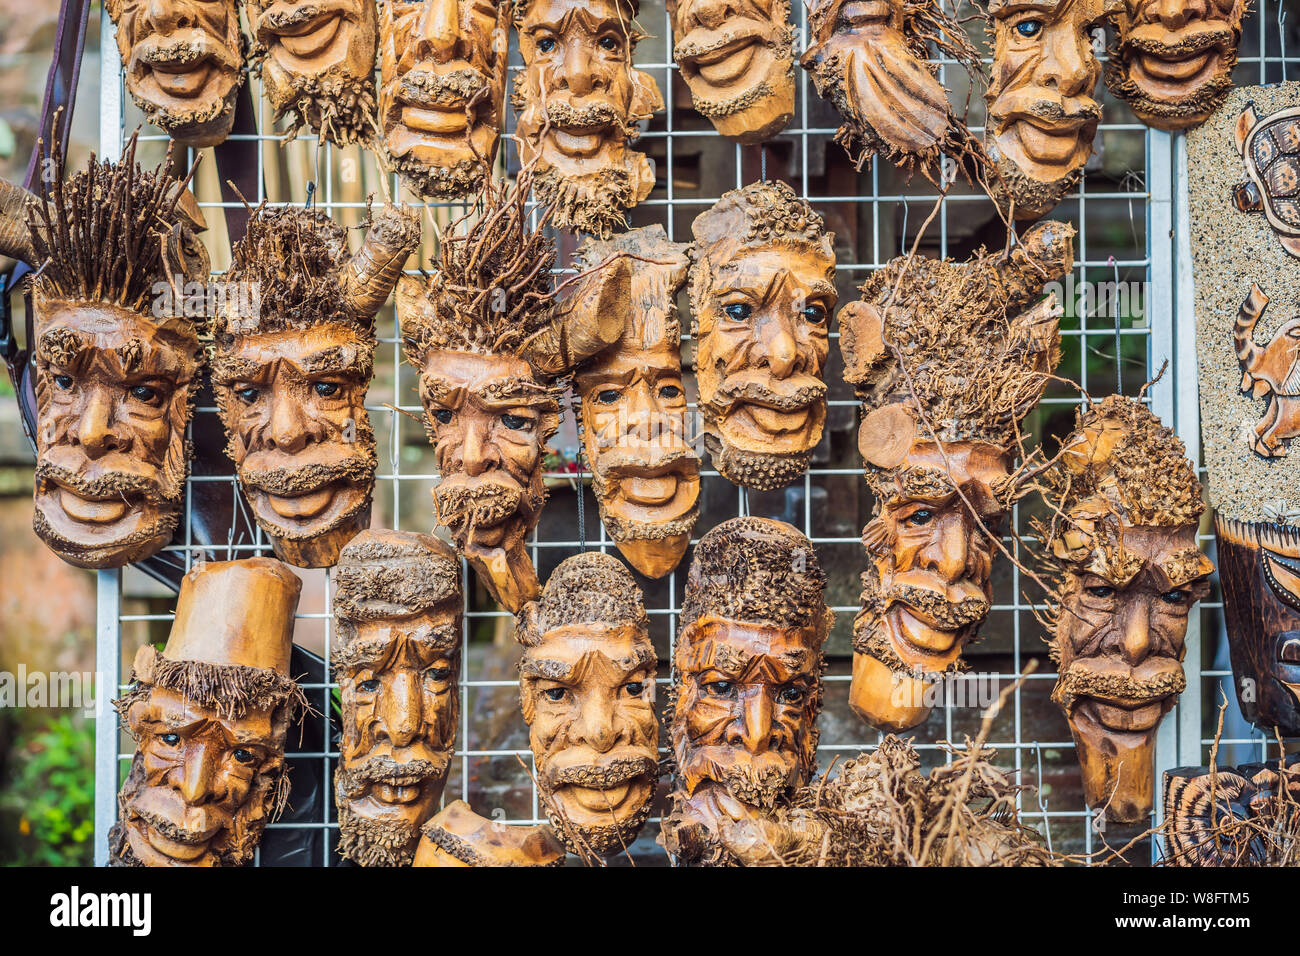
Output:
x=561 y=671
x=344 y=358
x=229 y=369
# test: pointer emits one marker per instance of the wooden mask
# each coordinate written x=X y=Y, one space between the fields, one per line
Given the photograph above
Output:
x=587 y=689
x=1042 y=115
x=184 y=62
x=579 y=102
x=738 y=62
x=645 y=474
x=1128 y=573
x=762 y=292
x=1175 y=58
x=210 y=715
x=491 y=346
x=1232 y=816
x=747 y=682
x=459 y=837
x=318 y=64
x=397 y=662
x=871 y=61
x=947 y=358
x=442 y=85
x=291 y=373
x=115 y=366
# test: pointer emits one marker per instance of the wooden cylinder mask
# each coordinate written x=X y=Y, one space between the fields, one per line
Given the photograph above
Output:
x=579 y=101
x=115 y=357
x=1042 y=112
x=397 y=662
x=747 y=682
x=587 y=689
x=947 y=358
x=291 y=365
x=645 y=474
x=1231 y=816
x=1128 y=574
x=442 y=85
x=184 y=63
x=1174 y=60
x=491 y=346
x=762 y=292
x=317 y=62
x=210 y=715
x=738 y=62
x=459 y=837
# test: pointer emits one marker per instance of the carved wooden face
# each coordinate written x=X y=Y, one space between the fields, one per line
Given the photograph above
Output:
x=113 y=399
x=202 y=784
x=442 y=90
x=737 y=60
x=1175 y=59
x=1042 y=113
x=588 y=696
x=292 y=401
x=1120 y=637
x=183 y=60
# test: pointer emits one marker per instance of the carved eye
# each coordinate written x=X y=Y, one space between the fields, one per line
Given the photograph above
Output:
x=739 y=311
x=790 y=694
x=1176 y=596
x=556 y=694
x=1102 y=591
x=670 y=391
x=438 y=674
x=516 y=423
x=63 y=381
x=634 y=688
x=546 y=44
x=719 y=688
x=607 y=396
x=247 y=395
x=144 y=393
x=369 y=686
x=610 y=44
x=918 y=519
x=171 y=740
x=442 y=416
x=243 y=756
x=325 y=389
x=1029 y=28
x=1290 y=653
x=815 y=314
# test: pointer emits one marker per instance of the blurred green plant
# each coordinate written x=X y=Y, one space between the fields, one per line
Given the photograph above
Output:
x=47 y=800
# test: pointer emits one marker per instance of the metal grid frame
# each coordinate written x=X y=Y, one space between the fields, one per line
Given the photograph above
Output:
x=1169 y=333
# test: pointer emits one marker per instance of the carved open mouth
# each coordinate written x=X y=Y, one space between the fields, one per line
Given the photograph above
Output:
x=91 y=510
x=311 y=37
x=1177 y=69
x=722 y=57
x=437 y=121
x=603 y=802
x=1122 y=717
x=398 y=791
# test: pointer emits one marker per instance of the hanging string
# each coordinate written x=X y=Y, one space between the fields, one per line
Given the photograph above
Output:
x=762 y=154
x=582 y=516
x=1281 y=35
x=311 y=195
x=1119 y=349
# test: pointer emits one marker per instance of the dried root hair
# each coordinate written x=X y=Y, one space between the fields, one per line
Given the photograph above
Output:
x=589 y=588
x=384 y=574
x=232 y=690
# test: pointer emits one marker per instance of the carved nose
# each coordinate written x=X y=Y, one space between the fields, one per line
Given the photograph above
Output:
x=597 y=724
x=95 y=431
x=288 y=426
x=577 y=75
x=476 y=454
x=948 y=552
x=779 y=348
x=1136 y=640
x=756 y=722
x=711 y=14
x=399 y=708
x=1176 y=14
x=438 y=31
x=197 y=775
x=1065 y=66
x=168 y=15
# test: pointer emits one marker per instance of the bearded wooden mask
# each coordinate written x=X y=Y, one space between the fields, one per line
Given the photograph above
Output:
x=1129 y=574
x=646 y=476
x=762 y=290
x=291 y=372
x=442 y=91
x=1230 y=816
x=459 y=837
x=738 y=61
x=184 y=62
x=114 y=366
x=210 y=715
x=318 y=64
x=587 y=688
x=1042 y=115
x=490 y=345
x=1175 y=58
x=945 y=377
x=579 y=101
x=397 y=662
x=747 y=681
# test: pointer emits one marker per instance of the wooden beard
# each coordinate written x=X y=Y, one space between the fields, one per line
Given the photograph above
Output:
x=1128 y=574
x=738 y=62
x=459 y=837
x=947 y=358
x=587 y=689
x=747 y=685
x=291 y=372
x=184 y=63
x=762 y=292
x=1042 y=115
x=115 y=366
x=442 y=84
x=1174 y=61
x=579 y=102
x=645 y=474
x=318 y=64
x=871 y=61
x=397 y=662
x=210 y=715
x=491 y=346
x=1232 y=816
x=1246 y=303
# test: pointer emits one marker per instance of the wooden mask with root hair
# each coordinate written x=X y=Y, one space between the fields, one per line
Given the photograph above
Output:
x=579 y=101
x=587 y=689
x=317 y=60
x=762 y=292
x=1232 y=816
x=747 y=680
x=1128 y=573
x=293 y=356
x=397 y=661
x=115 y=364
x=947 y=359
x=491 y=345
x=184 y=62
x=210 y=714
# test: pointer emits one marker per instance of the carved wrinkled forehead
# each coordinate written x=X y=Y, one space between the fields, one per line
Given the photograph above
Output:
x=758 y=214
x=628 y=8
x=394 y=574
x=591 y=588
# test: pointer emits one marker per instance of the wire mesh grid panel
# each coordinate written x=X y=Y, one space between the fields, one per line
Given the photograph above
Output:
x=1124 y=211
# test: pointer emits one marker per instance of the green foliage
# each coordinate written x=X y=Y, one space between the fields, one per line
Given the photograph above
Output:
x=47 y=802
